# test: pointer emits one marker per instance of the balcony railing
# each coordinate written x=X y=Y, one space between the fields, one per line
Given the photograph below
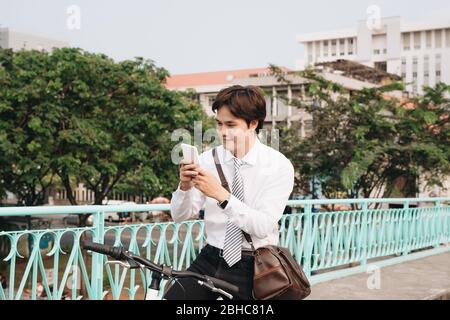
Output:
x=50 y=263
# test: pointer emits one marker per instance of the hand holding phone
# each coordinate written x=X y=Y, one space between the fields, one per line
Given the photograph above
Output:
x=188 y=165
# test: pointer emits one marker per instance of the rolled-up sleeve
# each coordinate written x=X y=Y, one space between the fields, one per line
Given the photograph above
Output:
x=261 y=219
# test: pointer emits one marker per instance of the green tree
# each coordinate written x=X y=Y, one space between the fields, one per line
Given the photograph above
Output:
x=364 y=141
x=27 y=130
x=424 y=137
x=84 y=118
x=90 y=119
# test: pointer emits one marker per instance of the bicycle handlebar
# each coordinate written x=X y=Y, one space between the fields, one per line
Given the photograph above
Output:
x=114 y=252
x=121 y=254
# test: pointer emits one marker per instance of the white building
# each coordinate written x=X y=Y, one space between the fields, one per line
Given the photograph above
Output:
x=279 y=110
x=18 y=40
x=419 y=53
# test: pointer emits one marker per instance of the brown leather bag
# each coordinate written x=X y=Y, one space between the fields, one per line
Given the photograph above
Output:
x=277 y=276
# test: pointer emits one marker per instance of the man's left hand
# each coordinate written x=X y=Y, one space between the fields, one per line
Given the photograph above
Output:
x=209 y=185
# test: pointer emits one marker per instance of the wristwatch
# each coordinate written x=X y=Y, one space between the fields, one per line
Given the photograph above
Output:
x=223 y=204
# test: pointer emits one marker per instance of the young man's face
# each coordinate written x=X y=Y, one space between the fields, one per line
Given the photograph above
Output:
x=234 y=132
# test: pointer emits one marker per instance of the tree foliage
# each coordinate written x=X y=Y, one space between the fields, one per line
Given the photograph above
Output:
x=72 y=116
x=363 y=142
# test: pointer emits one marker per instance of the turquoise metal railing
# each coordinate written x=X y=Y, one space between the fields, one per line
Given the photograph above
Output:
x=319 y=241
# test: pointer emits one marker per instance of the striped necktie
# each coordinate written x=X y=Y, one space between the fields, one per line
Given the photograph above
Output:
x=233 y=235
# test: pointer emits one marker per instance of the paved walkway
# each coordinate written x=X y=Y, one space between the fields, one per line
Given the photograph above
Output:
x=426 y=278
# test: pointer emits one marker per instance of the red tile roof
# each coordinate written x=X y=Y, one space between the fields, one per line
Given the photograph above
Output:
x=211 y=78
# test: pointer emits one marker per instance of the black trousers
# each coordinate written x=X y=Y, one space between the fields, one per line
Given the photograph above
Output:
x=209 y=262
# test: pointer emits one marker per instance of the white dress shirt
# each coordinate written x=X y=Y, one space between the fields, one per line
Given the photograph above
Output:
x=268 y=178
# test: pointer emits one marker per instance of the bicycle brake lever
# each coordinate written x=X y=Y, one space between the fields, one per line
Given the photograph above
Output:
x=129 y=264
x=211 y=287
x=121 y=263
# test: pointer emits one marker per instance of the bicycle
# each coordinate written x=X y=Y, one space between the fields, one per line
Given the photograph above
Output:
x=129 y=260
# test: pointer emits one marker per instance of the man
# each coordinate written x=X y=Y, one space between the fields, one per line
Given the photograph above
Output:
x=261 y=180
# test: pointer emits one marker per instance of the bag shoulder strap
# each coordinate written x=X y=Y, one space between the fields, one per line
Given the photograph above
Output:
x=225 y=184
x=223 y=180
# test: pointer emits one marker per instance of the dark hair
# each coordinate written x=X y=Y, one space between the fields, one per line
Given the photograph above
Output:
x=246 y=103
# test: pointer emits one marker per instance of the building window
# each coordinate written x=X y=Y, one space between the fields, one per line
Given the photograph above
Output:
x=438 y=68
x=426 y=70
x=428 y=39
x=447 y=38
x=308 y=128
x=317 y=50
x=333 y=48
x=403 y=68
x=350 y=46
x=438 y=76
x=211 y=100
x=438 y=38
x=426 y=78
x=325 y=48
x=342 y=47
x=376 y=51
x=417 y=39
x=406 y=41
x=438 y=62
x=382 y=65
x=414 y=75
x=414 y=69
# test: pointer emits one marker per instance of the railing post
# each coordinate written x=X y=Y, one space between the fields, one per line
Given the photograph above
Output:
x=405 y=228
x=97 y=258
x=439 y=224
x=308 y=239
x=364 y=234
x=445 y=213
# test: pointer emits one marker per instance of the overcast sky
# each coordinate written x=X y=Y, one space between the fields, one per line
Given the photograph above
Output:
x=187 y=36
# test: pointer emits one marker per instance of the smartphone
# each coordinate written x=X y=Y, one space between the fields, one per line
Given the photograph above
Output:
x=190 y=153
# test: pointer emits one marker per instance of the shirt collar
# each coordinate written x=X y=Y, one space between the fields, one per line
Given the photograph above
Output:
x=250 y=158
